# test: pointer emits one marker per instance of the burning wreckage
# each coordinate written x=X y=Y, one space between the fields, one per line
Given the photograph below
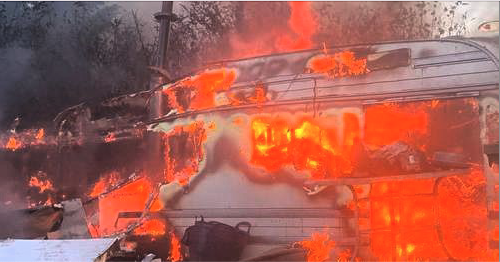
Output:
x=373 y=152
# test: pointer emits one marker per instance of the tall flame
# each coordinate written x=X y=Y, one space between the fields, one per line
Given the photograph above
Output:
x=296 y=35
x=175 y=248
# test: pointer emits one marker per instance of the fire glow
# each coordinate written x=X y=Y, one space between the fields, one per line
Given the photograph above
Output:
x=464 y=236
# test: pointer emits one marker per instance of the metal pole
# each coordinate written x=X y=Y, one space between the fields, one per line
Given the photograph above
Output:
x=154 y=165
x=165 y=16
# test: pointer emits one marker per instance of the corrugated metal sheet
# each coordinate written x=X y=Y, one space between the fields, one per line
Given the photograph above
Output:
x=81 y=250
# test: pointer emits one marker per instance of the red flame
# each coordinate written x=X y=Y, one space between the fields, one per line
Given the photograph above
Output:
x=318 y=247
x=110 y=137
x=297 y=36
x=303 y=26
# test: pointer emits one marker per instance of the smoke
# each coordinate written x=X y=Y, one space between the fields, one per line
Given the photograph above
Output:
x=15 y=66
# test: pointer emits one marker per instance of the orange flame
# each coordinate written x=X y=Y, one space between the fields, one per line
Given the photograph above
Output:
x=104 y=183
x=43 y=185
x=404 y=123
x=13 y=144
x=338 y=65
x=306 y=145
x=40 y=134
x=130 y=197
x=175 y=248
x=202 y=88
x=318 y=247
x=153 y=227
x=345 y=256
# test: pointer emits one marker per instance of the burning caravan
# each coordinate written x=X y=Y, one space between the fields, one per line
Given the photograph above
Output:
x=390 y=149
x=371 y=152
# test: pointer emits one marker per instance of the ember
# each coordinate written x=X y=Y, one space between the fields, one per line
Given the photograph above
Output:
x=318 y=247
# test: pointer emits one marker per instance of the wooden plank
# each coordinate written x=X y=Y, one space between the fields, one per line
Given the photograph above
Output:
x=370 y=180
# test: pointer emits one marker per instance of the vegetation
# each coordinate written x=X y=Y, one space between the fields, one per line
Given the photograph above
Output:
x=55 y=55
